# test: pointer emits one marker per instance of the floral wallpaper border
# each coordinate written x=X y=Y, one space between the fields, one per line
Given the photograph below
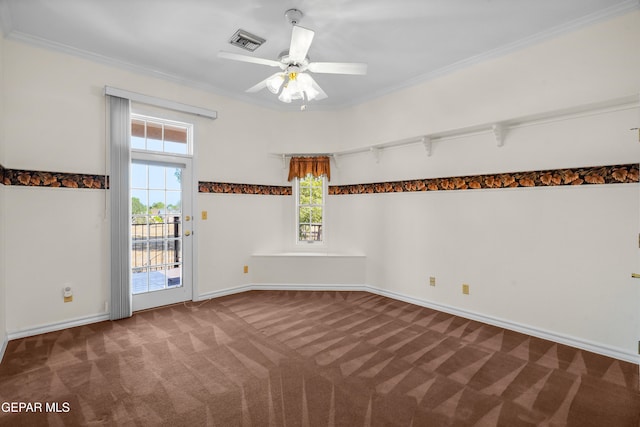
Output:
x=30 y=178
x=228 y=188
x=575 y=176
x=616 y=174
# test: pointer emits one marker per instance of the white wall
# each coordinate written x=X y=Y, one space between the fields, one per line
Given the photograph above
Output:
x=55 y=121
x=238 y=226
x=552 y=259
x=556 y=247
x=3 y=314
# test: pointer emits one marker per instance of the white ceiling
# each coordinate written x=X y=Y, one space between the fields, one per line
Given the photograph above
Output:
x=402 y=41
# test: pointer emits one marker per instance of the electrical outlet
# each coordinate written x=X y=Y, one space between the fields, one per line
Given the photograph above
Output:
x=432 y=281
x=246 y=269
x=67 y=294
x=465 y=289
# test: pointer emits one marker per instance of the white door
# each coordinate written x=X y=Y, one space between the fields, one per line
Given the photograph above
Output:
x=161 y=230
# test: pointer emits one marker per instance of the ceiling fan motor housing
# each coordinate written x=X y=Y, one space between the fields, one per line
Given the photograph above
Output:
x=293 y=16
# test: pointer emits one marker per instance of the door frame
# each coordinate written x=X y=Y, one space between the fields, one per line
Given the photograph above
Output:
x=187 y=291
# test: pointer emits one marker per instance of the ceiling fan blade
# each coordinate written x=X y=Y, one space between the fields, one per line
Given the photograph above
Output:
x=245 y=58
x=301 y=39
x=338 y=68
x=263 y=84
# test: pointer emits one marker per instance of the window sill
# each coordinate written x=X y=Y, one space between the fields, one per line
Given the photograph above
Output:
x=309 y=268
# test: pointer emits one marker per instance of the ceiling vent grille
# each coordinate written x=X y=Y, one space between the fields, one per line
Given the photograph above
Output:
x=246 y=40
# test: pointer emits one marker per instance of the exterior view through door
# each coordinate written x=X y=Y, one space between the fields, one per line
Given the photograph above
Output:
x=161 y=221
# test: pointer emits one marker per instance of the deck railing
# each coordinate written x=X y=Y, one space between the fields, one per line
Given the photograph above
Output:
x=153 y=237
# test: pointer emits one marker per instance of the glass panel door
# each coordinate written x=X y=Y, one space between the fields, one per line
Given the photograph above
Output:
x=160 y=255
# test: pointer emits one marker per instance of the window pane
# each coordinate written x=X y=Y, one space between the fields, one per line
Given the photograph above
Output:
x=156 y=202
x=175 y=147
x=316 y=196
x=139 y=256
x=174 y=178
x=304 y=215
x=176 y=134
x=156 y=135
x=154 y=145
x=139 y=202
x=154 y=130
x=156 y=253
x=137 y=143
x=156 y=176
x=305 y=232
x=316 y=215
x=140 y=280
x=138 y=176
x=174 y=204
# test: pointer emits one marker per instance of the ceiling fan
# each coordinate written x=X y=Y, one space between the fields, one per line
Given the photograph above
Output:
x=293 y=82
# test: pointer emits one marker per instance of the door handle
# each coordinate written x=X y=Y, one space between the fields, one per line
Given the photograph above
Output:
x=187 y=233
x=635 y=275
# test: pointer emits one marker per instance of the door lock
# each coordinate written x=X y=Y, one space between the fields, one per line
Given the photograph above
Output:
x=187 y=233
x=187 y=218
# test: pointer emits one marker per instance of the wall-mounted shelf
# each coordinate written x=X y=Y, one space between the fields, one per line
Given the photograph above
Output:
x=500 y=129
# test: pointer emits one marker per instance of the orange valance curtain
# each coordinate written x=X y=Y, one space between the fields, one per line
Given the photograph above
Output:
x=299 y=167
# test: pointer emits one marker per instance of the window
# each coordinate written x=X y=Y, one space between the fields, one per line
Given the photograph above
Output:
x=164 y=136
x=310 y=213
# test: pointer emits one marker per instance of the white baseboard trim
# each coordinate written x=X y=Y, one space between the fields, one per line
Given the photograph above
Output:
x=224 y=292
x=307 y=287
x=605 y=350
x=279 y=287
x=52 y=327
x=3 y=347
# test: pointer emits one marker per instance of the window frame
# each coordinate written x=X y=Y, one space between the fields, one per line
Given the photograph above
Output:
x=298 y=205
x=138 y=116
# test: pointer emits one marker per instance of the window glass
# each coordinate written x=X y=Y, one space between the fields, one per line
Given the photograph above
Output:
x=310 y=209
x=152 y=134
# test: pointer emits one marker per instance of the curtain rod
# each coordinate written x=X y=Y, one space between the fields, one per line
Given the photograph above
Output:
x=159 y=102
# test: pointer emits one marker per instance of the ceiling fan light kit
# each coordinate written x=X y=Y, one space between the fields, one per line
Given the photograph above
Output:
x=293 y=82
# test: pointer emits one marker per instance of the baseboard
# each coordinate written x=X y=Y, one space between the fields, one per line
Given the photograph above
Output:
x=52 y=327
x=605 y=350
x=224 y=292
x=279 y=287
x=3 y=347
x=307 y=287
x=609 y=351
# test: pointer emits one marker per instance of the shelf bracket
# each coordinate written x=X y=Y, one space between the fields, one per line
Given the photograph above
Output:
x=498 y=132
x=428 y=146
x=375 y=152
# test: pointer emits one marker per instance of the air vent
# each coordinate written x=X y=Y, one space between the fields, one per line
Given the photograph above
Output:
x=246 y=40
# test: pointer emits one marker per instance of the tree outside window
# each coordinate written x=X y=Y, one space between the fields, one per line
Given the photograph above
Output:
x=310 y=208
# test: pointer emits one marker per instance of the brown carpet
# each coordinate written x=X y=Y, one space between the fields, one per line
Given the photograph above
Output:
x=276 y=358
